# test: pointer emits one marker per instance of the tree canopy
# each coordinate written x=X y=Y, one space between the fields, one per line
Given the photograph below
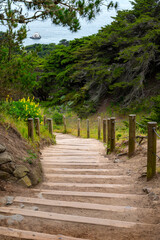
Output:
x=120 y=62
x=61 y=12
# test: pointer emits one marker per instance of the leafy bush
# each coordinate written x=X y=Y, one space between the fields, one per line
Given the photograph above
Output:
x=155 y=115
x=57 y=117
x=24 y=109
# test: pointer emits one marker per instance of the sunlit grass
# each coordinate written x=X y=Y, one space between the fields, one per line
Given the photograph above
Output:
x=121 y=133
x=22 y=128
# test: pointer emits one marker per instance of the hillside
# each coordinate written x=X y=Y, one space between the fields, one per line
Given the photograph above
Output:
x=119 y=64
x=19 y=162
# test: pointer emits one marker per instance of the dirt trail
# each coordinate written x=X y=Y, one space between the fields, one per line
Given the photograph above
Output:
x=84 y=196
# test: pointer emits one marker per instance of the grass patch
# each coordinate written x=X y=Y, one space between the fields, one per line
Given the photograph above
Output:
x=22 y=128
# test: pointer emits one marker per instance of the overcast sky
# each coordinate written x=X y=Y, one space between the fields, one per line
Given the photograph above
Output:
x=51 y=33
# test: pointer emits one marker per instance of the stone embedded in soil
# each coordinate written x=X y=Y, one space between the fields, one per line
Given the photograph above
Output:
x=8 y=167
x=129 y=172
x=35 y=208
x=21 y=171
x=15 y=218
x=2 y=148
x=22 y=205
x=116 y=160
x=4 y=158
x=25 y=181
x=156 y=198
x=4 y=175
x=147 y=190
x=153 y=196
x=9 y=200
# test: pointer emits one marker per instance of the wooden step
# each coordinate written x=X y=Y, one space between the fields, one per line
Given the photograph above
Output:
x=80 y=205
x=73 y=151
x=89 y=194
x=76 y=164
x=22 y=234
x=69 y=161
x=75 y=158
x=86 y=185
x=71 y=148
x=70 y=154
x=71 y=218
x=84 y=170
x=86 y=176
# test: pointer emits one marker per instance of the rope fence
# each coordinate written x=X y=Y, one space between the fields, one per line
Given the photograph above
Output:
x=107 y=125
x=35 y=123
x=107 y=128
x=154 y=129
x=141 y=125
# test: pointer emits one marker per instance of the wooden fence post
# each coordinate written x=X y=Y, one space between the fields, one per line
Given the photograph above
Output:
x=88 y=132
x=104 y=130
x=37 y=126
x=78 y=127
x=44 y=120
x=151 y=151
x=112 y=134
x=31 y=129
x=64 y=122
x=108 y=134
x=99 y=128
x=50 y=125
x=132 y=134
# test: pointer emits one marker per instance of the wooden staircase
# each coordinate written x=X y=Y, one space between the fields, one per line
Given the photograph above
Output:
x=84 y=196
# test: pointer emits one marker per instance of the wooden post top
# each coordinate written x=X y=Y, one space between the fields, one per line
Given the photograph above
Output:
x=113 y=118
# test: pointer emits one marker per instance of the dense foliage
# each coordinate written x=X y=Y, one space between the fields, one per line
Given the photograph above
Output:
x=22 y=109
x=120 y=62
x=61 y=12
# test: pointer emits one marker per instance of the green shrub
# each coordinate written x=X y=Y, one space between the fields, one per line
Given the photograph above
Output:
x=24 y=109
x=155 y=114
x=57 y=117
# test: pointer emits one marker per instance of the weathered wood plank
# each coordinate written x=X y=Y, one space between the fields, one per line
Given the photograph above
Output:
x=70 y=218
x=87 y=176
x=76 y=164
x=84 y=170
x=12 y=232
x=87 y=185
x=80 y=205
x=89 y=194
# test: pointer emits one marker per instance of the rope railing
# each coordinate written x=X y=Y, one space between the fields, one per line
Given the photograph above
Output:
x=158 y=157
x=35 y=124
x=141 y=125
x=154 y=129
x=119 y=138
x=107 y=125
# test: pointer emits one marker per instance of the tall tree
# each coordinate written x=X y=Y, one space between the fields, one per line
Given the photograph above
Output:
x=61 y=12
x=14 y=35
